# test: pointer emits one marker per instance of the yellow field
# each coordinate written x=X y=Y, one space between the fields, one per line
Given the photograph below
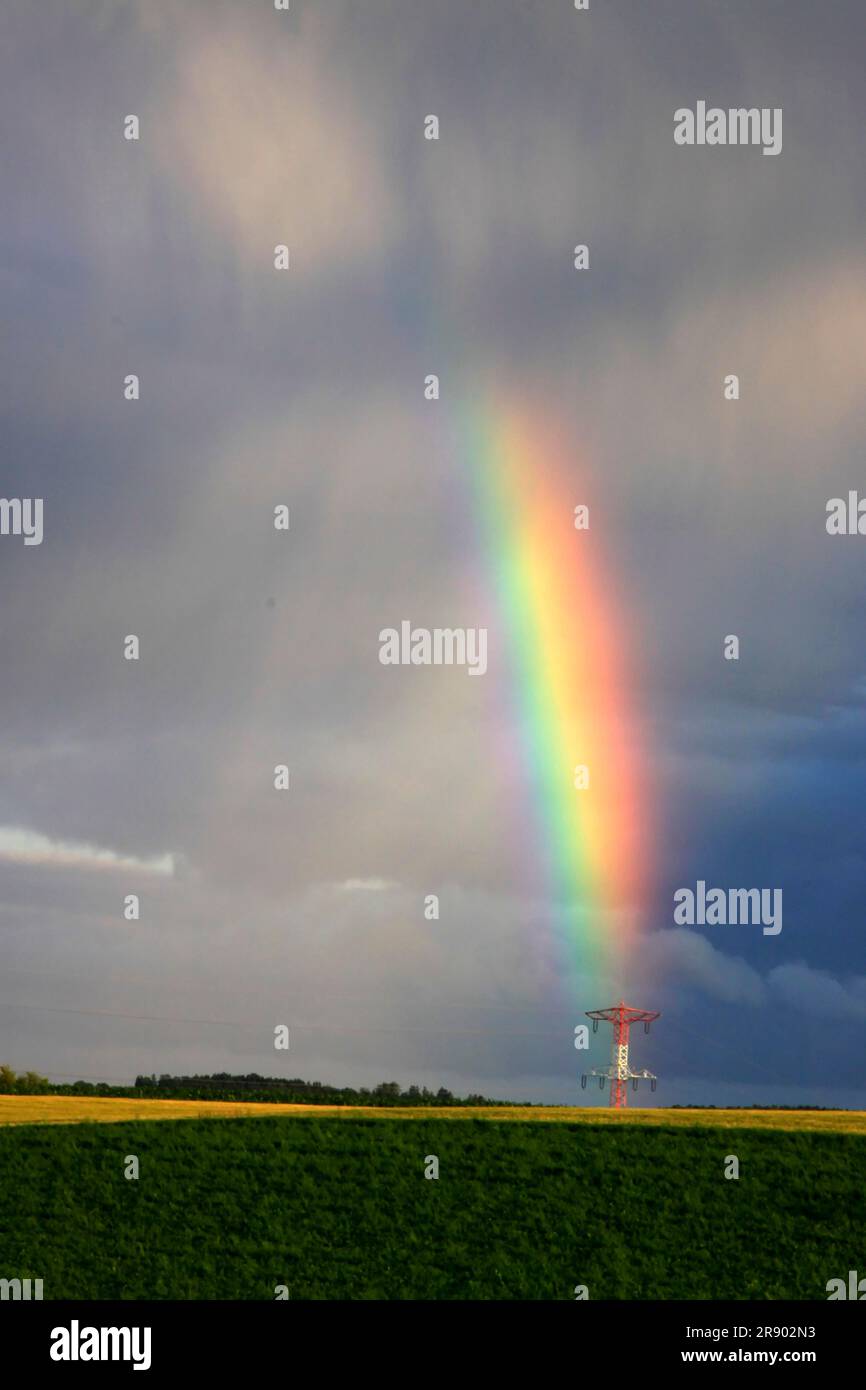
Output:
x=64 y=1110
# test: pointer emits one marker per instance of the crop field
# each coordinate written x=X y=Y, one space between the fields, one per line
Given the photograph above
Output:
x=27 y=1110
x=341 y=1208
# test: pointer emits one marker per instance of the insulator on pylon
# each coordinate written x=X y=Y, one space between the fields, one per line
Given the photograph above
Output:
x=595 y=1025
x=583 y=1083
x=601 y=1083
x=634 y=1084
x=652 y=1084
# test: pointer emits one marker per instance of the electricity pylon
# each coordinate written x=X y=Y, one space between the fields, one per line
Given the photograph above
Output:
x=622 y=1016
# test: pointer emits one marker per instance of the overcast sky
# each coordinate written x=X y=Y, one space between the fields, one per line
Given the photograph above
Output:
x=155 y=777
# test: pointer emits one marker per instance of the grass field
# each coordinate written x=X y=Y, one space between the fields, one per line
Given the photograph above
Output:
x=340 y=1209
x=28 y=1110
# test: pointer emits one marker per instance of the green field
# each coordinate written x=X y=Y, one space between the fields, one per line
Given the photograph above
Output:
x=340 y=1209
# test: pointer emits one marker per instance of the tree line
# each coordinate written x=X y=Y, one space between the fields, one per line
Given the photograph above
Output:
x=252 y=1087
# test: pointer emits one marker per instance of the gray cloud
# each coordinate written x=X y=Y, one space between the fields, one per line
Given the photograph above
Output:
x=816 y=992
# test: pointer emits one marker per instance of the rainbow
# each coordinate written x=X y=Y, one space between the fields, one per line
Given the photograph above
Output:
x=566 y=635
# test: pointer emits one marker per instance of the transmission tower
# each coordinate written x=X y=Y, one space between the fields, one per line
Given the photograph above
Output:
x=622 y=1016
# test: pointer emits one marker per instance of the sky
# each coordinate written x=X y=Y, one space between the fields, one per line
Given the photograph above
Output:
x=305 y=387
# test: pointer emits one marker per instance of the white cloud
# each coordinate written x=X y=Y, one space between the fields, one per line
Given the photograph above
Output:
x=278 y=146
x=21 y=846
x=368 y=885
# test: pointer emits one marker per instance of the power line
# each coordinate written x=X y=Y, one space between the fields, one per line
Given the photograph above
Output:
x=300 y=1027
x=324 y=994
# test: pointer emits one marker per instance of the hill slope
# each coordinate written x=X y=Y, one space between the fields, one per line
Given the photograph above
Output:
x=341 y=1209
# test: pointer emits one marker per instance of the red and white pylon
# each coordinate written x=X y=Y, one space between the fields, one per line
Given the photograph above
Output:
x=622 y=1016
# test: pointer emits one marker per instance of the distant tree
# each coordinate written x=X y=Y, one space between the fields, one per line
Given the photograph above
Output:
x=32 y=1084
x=7 y=1080
x=388 y=1090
